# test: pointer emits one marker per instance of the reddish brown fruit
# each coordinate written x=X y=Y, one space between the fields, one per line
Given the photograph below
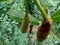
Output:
x=44 y=30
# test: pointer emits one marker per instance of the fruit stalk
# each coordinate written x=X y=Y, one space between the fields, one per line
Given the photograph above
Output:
x=45 y=16
x=26 y=20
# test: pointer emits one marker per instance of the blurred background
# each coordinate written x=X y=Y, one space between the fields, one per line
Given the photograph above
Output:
x=11 y=15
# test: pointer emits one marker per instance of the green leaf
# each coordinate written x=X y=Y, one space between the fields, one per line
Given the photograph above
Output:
x=18 y=16
x=56 y=16
x=2 y=0
x=56 y=35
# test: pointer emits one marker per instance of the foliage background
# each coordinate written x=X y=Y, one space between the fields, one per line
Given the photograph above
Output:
x=10 y=30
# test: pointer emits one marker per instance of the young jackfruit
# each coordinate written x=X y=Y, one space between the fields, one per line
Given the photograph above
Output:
x=44 y=30
x=25 y=24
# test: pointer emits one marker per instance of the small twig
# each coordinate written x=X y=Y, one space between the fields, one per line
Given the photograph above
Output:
x=33 y=29
x=30 y=39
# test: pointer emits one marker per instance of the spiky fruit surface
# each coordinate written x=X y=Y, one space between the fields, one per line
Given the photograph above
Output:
x=25 y=24
x=44 y=30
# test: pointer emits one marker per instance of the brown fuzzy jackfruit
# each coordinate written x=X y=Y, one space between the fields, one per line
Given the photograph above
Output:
x=25 y=24
x=44 y=30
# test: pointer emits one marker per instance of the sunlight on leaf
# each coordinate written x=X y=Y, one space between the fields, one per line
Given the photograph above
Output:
x=18 y=16
x=56 y=16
